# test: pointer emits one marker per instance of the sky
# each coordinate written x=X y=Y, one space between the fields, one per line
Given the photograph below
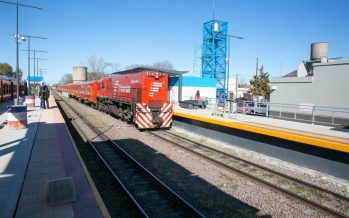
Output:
x=278 y=32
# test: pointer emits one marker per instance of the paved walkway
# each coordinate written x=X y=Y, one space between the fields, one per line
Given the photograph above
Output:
x=272 y=122
x=52 y=157
x=15 y=149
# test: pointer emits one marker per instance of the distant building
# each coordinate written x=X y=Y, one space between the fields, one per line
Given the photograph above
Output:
x=241 y=91
x=320 y=82
x=327 y=87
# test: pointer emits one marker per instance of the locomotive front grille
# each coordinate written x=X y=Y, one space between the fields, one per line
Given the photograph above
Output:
x=155 y=103
x=155 y=111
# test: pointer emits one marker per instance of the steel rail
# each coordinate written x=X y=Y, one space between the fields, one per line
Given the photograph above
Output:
x=254 y=178
x=101 y=134
x=138 y=206
x=337 y=195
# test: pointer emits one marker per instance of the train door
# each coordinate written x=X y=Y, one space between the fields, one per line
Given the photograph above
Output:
x=136 y=94
x=1 y=92
x=94 y=90
x=12 y=89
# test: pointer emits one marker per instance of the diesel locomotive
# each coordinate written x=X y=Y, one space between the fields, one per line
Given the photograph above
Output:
x=138 y=95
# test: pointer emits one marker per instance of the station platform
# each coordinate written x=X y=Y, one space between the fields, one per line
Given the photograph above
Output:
x=30 y=157
x=326 y=137
x=323 y=149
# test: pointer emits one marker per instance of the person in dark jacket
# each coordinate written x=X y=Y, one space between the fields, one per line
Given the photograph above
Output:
x=47 y=96
x=42 y=96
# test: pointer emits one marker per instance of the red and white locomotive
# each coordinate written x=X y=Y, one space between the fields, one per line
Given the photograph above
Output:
x=138 y=95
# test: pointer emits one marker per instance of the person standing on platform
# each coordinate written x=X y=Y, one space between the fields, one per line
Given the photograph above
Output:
x=42 y=95
x=47 y=95
x=197 y=95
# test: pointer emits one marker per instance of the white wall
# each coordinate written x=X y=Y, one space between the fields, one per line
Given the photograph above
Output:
x=328 y=87
x=189 y=92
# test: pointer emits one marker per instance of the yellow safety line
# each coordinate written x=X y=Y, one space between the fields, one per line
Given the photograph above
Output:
x=269 y=132
x=301 y=133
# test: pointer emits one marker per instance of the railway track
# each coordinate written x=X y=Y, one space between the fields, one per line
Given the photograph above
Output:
x=329 y=202
x=149 y=194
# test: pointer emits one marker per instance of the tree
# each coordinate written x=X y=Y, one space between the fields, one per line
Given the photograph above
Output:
x=132 y=66
x=94 y=75
x=260 y=84
x=98 y=67
x=66 y=78
x=113 y=67
x=14 y=74
x=6 y=70
x=96 y=64
x=166 y=65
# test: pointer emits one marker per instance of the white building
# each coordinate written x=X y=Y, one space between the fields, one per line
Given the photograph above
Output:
x=190 y=85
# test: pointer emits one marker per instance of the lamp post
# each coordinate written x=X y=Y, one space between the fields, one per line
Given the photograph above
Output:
x=37 y=66
x=228 y=59
x=36 y=60
x=33 y=50
x=17 y=37
x=36 y=37
x=236 y=88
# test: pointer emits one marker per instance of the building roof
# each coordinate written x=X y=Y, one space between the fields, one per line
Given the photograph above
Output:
x=139 y=69
x=291 y=74
x=342 y=62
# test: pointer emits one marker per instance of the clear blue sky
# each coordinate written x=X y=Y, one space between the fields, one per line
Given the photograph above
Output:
x=145 y=31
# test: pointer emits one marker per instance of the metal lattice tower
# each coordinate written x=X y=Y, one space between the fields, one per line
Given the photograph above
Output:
x=214 y=52
x=197 y=61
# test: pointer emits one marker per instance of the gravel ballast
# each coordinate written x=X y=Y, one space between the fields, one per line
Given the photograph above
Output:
x=214 y=191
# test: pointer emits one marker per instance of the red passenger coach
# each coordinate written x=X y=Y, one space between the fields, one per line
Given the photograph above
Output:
x=8 y=88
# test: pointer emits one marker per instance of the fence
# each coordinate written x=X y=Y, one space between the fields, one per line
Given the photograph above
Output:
x=212 y=102
x=309 y=113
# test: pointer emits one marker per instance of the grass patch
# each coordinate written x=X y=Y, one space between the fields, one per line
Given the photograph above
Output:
x=329 y=197
x=202 y=140
x=221 y=185
x=184 y=135
x=301 y=191
x=211 y=154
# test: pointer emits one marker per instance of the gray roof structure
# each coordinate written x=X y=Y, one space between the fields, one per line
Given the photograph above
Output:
x=139 y=69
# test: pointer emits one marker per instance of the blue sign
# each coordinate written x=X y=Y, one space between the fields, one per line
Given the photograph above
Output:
x=35 y=79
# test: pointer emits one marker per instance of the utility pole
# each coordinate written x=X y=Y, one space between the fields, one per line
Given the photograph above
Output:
x=257 y=68
x=17 y=40
x=36 y=37
x=228 y=60
x=237 y=85
x=280 y=62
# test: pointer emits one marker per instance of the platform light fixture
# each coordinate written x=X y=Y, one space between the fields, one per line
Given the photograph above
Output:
x=228 y=59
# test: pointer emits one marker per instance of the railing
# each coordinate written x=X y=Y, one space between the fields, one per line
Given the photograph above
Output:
x=309 y=113
x=302 y=112
x=212 y=102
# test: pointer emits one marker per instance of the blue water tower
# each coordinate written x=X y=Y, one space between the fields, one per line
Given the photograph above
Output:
x=214 y=53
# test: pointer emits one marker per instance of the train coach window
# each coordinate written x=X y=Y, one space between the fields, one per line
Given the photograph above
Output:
x=102 y=85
